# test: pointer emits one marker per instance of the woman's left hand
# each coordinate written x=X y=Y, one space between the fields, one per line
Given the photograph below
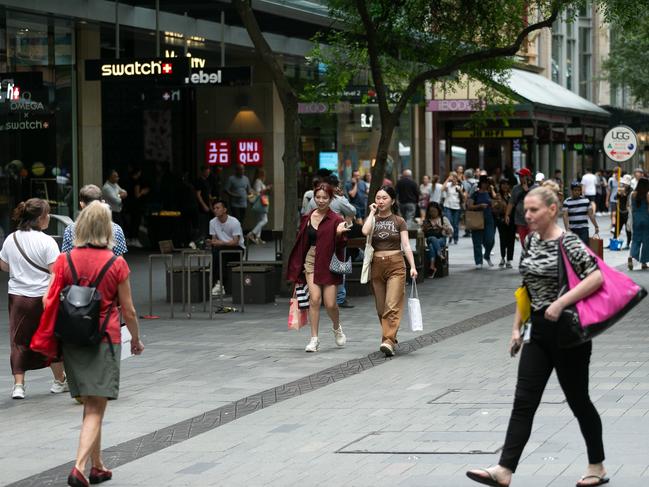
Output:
x=553 y=313
x=413 y=273
x=342 y=228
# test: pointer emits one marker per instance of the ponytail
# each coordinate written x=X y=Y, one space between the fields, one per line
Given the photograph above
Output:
x=28 y=213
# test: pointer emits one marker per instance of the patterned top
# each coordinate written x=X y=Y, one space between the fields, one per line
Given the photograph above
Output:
x=387 y=232
x=577 y=209
x=539 y=266
x=118 y=235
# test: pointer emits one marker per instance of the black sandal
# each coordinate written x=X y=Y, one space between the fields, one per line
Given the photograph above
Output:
x=600 y=480
x=489 y=480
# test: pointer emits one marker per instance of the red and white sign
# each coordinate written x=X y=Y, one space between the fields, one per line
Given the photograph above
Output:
x=250 y=152
x=453 y=106
x=218 y=152
x=620 y=143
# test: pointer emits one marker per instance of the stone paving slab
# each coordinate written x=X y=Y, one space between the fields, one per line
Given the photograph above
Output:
x=194 y=366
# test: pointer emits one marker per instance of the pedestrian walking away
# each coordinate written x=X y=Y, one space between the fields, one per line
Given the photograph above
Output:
x=238 y=188
x=577 y=210
x=321 y=235
x=541 y=355
x=93 y=370
x=388 y=270
x=437 y=229
x=623 y=201
x=408 y=195
x=639 y=209
x=28 y=255
x=481 y=200
x=260 y=206
x=515 y=207
x=88 y=194
x=506 y=230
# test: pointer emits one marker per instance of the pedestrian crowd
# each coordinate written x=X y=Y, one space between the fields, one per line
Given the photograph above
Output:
x=46 y=287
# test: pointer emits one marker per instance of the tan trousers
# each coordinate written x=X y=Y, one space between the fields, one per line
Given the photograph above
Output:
x=388 y=284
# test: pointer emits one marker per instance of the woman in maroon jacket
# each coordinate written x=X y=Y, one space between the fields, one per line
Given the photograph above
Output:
x=321 y=234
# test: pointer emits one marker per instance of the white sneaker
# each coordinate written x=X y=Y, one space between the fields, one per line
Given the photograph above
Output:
x=18 y=392
x=313 y=345
x=478 y=266
x=59 y=387
x=489 y=263
x=508 y=265
x=339 y=336
x=387 y=349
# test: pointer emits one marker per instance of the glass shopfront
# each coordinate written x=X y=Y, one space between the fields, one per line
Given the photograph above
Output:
x=36 y=112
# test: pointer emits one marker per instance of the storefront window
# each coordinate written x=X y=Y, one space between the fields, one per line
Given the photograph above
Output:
x=35 y=113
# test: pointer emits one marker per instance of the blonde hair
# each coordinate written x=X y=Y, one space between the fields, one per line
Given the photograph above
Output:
x=94 y=226
x=549 y=193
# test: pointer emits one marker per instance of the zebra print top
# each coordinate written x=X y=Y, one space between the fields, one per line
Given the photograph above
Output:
x=539 y=266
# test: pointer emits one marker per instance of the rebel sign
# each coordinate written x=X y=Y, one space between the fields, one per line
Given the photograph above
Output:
x=620 y=143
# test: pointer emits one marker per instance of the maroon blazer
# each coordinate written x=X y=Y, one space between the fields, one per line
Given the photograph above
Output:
x=325 y=245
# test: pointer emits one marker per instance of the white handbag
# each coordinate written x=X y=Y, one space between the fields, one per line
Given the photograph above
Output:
x=414 y=309
x=368 y=256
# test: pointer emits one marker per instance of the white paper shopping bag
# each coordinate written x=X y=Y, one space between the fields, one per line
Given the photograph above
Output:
x=126 y=343
x=414 y=309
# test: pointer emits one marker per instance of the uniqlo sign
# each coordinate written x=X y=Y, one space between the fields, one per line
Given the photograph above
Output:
x=250 y=152
x=217 y=152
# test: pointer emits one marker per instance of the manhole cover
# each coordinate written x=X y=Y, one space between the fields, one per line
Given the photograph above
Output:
x=426 y=443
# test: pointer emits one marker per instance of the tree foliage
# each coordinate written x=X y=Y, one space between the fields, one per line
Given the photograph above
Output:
x=396 y=46
x=629 y=57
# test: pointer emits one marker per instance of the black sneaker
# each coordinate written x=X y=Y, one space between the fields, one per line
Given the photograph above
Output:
x=345 y=304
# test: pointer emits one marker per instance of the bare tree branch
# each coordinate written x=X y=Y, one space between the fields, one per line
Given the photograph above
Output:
x=285 y=90
x=374 y=55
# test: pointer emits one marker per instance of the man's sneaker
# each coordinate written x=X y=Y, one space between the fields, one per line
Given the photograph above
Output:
x=313 y=345
x=488 y=261
x=339 y=336
x=478 y=266
x=387 y=349
x=18 y=392
x=508 y=265
x=502 y=263
x=346 y=304
x=59 y=387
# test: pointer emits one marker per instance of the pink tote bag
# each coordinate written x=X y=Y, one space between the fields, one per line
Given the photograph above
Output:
x=617 y=295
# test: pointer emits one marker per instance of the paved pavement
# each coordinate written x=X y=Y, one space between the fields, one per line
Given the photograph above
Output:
x=341 y=416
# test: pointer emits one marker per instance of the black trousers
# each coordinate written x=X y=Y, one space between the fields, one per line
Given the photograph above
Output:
x=507 y=238
x=226 y=258
x=538 y=359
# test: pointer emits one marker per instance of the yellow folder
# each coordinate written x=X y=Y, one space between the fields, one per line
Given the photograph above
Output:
x=523 y=303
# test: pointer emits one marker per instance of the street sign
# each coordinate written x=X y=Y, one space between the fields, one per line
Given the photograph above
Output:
x=620 y=143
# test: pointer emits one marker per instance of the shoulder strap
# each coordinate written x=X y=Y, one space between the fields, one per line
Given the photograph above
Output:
x=73 y=271
x=29 y=261
x=103 y=271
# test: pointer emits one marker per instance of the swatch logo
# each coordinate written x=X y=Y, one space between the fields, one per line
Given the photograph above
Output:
x=32 y=125
x=136 y=68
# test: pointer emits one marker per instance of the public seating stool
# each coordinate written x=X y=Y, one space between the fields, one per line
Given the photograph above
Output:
x=257 y=284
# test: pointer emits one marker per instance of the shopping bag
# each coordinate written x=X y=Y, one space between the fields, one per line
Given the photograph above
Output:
x=474 y=219
x=297 y=318
x=596 y=244
x=414 y=309
x=597 y=312
x=302 y=295
x=368 y=255
x=523 y=304
x=126 y=343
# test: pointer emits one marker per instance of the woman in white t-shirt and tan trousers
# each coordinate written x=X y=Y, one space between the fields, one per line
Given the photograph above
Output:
x=28 y=255
x=388 y=271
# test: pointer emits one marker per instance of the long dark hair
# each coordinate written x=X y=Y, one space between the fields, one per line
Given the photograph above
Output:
x=27 y=213
x=435 y=205
x=641 y=191
x=392 y=194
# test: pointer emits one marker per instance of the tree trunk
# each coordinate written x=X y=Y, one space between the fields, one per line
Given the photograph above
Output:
x=291 y=160
x=378 y=171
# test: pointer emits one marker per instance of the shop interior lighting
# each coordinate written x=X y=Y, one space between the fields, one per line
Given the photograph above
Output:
x=177 y=35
